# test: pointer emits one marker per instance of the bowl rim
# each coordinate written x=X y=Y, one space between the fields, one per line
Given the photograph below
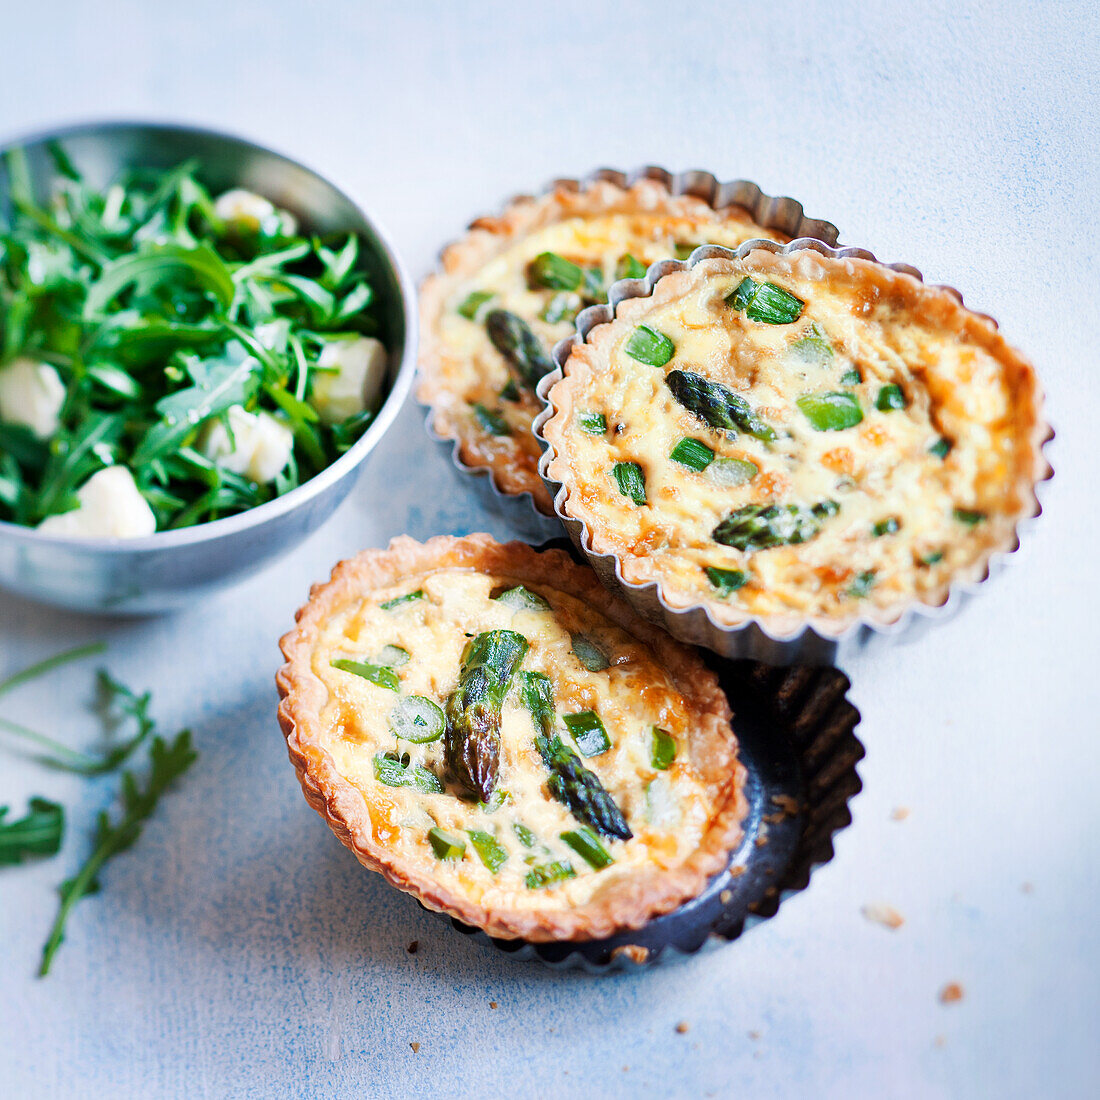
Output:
x=331 y=474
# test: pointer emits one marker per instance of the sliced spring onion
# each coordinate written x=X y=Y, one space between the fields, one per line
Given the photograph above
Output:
x=489 y=850
x=863 y=584
x=684 y=249
x=562 y=307
x=546 y=874
x=851 y=377
x=446 y=845
x=629 y=268
x=814 y=347
x=831 y=412
x=662 y=748
x=888 y=526
x=765 y=302
x=890 y=397
x=392 y=656
x=648 y=346
x=473 y=302
x=593 y=423
x=588 y=732
x=631 y=481
x=692 y=453
x=587 y=845
x=521 y=598
x=524 y=835
x=931 y=559
x=593 y=285
x=726 y=580
x=491 y=421
x=399 y=771
x=941 y=448
x=553 y=272
x=731 y=472
x=416 y=719
x=588 y=653
x=389 y=605
x=496 y=800
x=969 y=516
x=381 y=675
x=510 y=392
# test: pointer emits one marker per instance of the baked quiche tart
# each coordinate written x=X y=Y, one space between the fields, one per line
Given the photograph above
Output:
x=510 y=290
x=796 y=438
x=499 y=736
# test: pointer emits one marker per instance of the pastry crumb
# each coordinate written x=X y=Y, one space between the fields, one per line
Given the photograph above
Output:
x=951 y=993
x=631 y=951
x=738 y=871
x=786 y=803
x=492 y=1004
x=886 y=915
x=761 y=840
x=725 y=897
x=412 y=948
x=776 y=818
x=683 y=1027
x=754 y=1035
x=415 y=1047
x=899 y=813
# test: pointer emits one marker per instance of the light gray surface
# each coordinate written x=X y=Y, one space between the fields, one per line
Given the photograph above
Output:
x=238 y=950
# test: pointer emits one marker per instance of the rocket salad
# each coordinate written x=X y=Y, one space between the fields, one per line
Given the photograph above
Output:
x=170 y=358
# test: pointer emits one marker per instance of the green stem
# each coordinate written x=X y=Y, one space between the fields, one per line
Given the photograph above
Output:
x=49 y=664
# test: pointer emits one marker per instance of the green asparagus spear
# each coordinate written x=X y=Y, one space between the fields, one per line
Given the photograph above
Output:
x=716 y=404
x=523 y=350
x=472 y=743
x=570 y=782
x=756 y=527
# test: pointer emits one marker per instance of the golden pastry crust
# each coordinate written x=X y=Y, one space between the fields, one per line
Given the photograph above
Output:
x=459 y=366
x=626 y=902
x=897 y=537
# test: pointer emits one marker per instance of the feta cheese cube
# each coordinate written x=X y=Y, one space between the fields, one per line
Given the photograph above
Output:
x=359 y=369
x=258 y=448
x=31 y=394
x=249 y=211
x=111 y=507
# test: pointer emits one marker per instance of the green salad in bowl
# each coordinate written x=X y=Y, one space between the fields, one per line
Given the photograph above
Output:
x=172 y=355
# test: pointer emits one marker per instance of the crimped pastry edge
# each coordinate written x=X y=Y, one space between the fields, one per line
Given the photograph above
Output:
x=728 y=630
x=606 y=190
x=303 y=695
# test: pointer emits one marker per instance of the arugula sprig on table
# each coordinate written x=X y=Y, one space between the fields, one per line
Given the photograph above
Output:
x=159 y=316
x=40 y=831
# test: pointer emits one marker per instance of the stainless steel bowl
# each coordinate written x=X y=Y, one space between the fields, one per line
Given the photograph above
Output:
x=170 y=568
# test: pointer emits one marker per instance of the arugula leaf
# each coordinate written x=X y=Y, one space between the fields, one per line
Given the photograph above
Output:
x=38 y=833
x=168 y=760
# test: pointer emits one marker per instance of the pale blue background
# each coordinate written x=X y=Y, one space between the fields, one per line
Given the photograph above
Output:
x=239 y=951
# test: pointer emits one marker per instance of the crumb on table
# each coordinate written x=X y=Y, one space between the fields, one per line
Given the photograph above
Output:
x=899 y=813
x=883 y=914
x=951 y=993
x=683 y=1027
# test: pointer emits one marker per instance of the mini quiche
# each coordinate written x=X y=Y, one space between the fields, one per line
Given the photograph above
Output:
x=510 y=290
x=497 y=735
x=796 y=438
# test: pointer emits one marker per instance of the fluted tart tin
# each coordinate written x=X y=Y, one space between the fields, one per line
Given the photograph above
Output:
x=796 y=736
x=503 y=472
x=813 y=638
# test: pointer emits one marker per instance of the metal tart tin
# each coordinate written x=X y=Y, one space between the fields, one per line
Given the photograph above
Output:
x=808 y=645
x=796 y=735
x=784 y=214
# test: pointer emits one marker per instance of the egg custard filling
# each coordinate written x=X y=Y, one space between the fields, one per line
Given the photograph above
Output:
x=513 y=288
x=499 y=736
x=796 y=436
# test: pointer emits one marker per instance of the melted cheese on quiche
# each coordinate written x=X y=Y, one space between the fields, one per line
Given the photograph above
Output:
x=667 y=810
x=908 y=436
x=475 y=373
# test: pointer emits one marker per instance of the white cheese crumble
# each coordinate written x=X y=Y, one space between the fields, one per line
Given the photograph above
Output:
x=256 y=445
x=249 y=211
x=111 y=507
x=31 y=394
x=358 y=369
